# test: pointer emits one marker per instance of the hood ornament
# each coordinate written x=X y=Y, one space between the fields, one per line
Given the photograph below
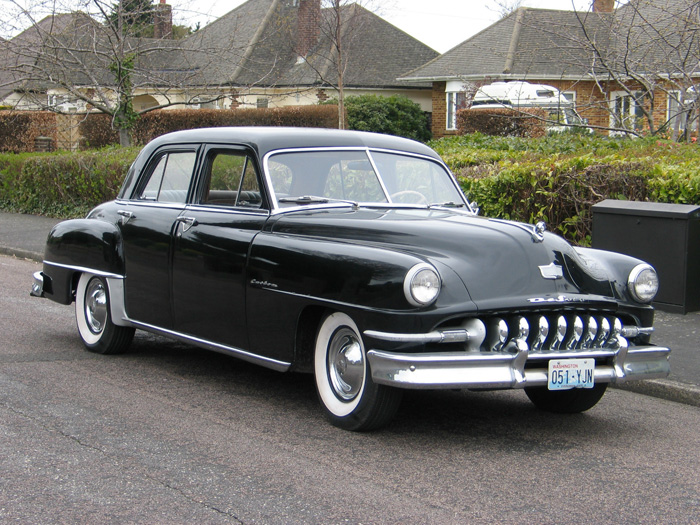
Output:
x=536 y=231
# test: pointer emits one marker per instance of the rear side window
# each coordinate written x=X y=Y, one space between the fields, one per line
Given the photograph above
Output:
x=170 y=178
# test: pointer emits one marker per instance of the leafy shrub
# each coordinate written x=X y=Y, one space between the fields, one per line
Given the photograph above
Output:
x=503 y=122
x=97 y=129
x=62 y=184
x=394 y=115
x=97 y=132
x=18 y=129
x=558 y=178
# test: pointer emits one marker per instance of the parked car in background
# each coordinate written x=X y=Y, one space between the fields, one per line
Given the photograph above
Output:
x=561 y=113
x=354 y=257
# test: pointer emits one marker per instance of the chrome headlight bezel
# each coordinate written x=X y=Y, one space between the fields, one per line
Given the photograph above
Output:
x=643 y=283
x=422 y=285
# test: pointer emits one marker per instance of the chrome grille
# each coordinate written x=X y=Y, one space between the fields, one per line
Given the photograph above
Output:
x=545 y=332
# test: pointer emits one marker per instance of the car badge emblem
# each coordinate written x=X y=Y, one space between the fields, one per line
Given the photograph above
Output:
x=552 y=271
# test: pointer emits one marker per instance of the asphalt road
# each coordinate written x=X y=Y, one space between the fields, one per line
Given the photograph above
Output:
x=171 y=434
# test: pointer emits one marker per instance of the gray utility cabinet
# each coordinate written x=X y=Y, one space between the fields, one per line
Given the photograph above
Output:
x=667 y=236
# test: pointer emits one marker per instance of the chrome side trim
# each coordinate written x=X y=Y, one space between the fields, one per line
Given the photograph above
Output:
x=449 y=370
x=117 y=303
x=436 y=336
x=274 y=364
x=108 y=275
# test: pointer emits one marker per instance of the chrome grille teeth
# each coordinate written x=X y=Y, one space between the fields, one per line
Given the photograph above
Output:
x=560 y=334
x=499 y=335
x=603 y=333
x=547 y=333
x=523 y=329
x=591 y=332
x=542 y=333
x=576 y=335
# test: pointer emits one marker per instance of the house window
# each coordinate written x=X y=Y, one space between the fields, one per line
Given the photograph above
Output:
x=570 y=96
x=626 y=110
x=262 y=103
x=679 y=113
x=455 y=102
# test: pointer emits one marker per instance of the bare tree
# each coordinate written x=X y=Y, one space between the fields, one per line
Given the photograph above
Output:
x=341 y=26
x=645 y=56
x=93 y=58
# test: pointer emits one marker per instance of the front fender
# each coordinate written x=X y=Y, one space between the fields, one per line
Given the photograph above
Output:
x=80 y=245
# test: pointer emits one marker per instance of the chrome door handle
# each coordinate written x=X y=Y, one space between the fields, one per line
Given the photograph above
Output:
x=187 y=222
x=126 y=216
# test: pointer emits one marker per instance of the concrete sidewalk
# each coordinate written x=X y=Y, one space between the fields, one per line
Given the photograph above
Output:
x=24 y=236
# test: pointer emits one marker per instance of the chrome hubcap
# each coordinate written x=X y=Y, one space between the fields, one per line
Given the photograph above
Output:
x=346 y=364
x=96 y=306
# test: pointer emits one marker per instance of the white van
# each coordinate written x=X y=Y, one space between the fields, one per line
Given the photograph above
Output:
x=525 y=95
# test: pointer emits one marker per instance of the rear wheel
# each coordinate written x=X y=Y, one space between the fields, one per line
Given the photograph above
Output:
x=350 y=399
x=92 y=313
x=566 y=401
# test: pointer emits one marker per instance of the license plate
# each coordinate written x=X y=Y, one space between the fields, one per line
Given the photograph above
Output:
x=570 y=373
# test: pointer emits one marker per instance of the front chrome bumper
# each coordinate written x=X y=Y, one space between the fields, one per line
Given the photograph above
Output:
x=37 y=285
x=449 y=370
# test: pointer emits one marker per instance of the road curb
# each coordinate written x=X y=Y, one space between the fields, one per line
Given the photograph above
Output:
x=676 y=391
x=21 y=254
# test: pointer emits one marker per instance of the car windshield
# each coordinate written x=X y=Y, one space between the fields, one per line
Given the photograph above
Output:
x=360 y=176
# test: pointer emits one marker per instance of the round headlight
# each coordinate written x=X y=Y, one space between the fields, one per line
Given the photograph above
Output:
x=643 y=283
x=422 y=285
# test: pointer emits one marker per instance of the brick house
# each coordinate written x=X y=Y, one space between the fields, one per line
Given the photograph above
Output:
x=264 y=53
x=624 y=68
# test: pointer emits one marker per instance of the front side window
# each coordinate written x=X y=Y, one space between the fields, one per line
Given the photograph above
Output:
x=231 y=180
x=170 y=178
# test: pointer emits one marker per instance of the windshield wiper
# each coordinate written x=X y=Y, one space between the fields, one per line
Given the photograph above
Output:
x=314 y=199
x=446 y=205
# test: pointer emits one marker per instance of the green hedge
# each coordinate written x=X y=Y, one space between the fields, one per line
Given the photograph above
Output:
x=560 y=177
x=62 y=184
x=555 y=178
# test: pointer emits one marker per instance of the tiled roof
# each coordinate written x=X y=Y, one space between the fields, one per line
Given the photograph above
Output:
x=543 y=43
x=253 y=45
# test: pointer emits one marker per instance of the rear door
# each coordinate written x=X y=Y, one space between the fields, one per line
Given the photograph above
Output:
x=147 y=224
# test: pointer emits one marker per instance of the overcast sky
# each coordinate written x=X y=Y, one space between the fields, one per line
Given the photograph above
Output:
x=441 y=24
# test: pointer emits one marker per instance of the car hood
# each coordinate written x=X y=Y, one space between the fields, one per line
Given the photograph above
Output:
x=502 y=264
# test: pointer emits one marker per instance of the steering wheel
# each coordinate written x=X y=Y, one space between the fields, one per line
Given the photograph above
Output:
x=422 y=199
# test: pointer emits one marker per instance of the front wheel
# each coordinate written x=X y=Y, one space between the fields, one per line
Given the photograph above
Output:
x=92 y=313
x=566 y=401
x=350 y=399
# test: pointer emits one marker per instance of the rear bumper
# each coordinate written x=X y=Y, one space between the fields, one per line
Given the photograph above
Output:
x=481 y=370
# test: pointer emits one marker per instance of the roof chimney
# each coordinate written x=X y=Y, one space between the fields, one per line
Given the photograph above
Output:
x=308 y=25
x=163 y=20
x=603 y=6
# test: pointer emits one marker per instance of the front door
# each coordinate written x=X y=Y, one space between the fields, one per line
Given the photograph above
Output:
x=211 y=246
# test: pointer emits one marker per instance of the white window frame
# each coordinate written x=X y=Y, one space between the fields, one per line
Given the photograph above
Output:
x=673 y=112
x=629 y=116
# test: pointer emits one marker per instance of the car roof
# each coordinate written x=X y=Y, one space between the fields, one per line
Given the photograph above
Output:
x=266 y=139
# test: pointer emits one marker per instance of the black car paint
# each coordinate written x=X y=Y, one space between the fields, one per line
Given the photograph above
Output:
x=246 y=278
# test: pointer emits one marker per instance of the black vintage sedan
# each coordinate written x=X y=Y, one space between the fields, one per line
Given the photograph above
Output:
x=355 y=257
